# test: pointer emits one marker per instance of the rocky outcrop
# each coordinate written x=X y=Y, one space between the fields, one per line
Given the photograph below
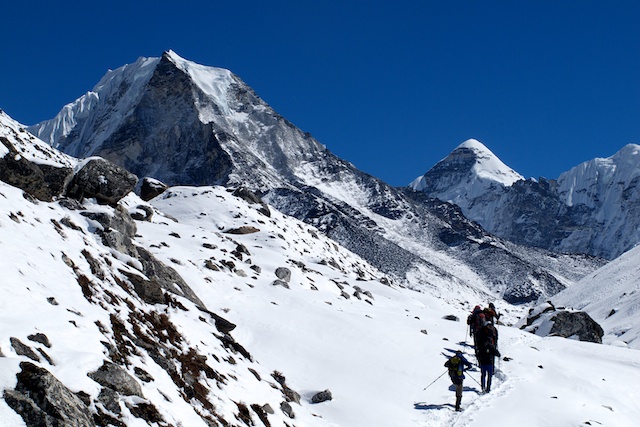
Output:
x=576 y=324
x=43 y=401
x=252 y=198
x=116 y=378
x=117 y=231
x=43 y=181
x=103 y=180
x=151 y=188
x=547 y=320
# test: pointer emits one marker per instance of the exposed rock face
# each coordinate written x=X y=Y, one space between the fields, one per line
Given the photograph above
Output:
x=151 y=188
x=23 y=349
x=103 y=180
x=567 y=324
x=118 y=231
x=546 y=320
x=116 y=378
x=43 y=401
x=42 y=181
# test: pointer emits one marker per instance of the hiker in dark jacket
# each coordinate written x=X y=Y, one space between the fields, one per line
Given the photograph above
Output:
x=486 y=351
x=473 y=321
x=457 y=365
x=491 y=314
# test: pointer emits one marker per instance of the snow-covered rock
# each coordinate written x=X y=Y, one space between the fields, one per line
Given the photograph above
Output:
x=546 y=320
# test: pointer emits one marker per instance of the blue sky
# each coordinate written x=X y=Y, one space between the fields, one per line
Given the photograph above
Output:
x=391 y=86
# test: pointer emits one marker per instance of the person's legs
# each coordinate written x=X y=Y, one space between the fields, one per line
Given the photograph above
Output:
x=483 y=375
x=458 y=395
x=489 y=376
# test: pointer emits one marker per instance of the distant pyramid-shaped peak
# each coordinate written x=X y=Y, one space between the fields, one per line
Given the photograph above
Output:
x=469 y=163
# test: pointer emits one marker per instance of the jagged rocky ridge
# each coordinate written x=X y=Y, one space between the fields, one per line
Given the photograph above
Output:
x=592 y=208
x=186 y=124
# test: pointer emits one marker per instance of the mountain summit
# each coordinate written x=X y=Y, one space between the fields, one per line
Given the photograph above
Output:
x=592 y=208
x=183 y=123
x=469 y=171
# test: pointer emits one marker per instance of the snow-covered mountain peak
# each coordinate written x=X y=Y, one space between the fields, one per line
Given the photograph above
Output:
x=112 y=98
x=473 y=143
x=614 y=175
x=213 y=81
x=630 y=154
x=487 y=165
x=466 y=172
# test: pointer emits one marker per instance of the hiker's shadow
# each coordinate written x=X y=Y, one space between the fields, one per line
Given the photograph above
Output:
x=422 y=406
x=464 y=388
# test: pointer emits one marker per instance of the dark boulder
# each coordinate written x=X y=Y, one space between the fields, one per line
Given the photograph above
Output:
x=100 y=179
x=42 y=181
x=569 y=324
x=547 y=320
x=245 y=229
x=43 y=401
x=116 y=378
x=283 y=273
x=151 y=188
x=322 y=396
x=251 y=198
x=142 y=213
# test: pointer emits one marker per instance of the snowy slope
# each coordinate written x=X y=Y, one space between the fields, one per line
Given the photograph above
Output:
x=374 y=356
x=610 y=189
x=375 y=353
x=611 y=295
x=33 y=149
x=43 y=259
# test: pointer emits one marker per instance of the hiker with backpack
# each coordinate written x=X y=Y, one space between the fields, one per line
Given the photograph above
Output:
x=473 y=320
x=491 y=314
x=486 y=351
x=456 y=365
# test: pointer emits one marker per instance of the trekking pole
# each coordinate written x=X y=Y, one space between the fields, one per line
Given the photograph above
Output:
x=474 y=379
x=434 y=381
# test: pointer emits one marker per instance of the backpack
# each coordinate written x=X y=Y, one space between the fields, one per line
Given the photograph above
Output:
x=488 y=337
x=455 y=368
x=489 y=314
